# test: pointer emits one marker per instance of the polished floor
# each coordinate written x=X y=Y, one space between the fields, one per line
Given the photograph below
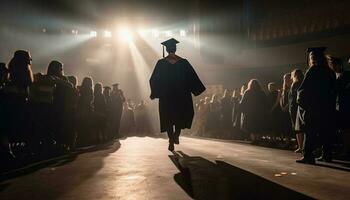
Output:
x=141 y=168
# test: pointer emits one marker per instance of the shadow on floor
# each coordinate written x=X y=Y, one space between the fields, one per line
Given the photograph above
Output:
x=59 y=161
x=202 y=179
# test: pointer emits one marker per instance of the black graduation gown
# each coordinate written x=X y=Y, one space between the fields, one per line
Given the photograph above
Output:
x=317 y=96
x=173 y=85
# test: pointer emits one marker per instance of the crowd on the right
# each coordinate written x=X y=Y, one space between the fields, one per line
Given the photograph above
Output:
x=309 y=112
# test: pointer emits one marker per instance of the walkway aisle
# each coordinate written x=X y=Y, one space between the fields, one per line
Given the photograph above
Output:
x=141 y=168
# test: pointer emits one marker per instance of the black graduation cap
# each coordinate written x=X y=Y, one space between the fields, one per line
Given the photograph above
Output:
x=106 y=87
x=169 y=43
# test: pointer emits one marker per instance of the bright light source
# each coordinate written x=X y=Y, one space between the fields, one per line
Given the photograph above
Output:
x=125 y=34
x=75 y=32
x=107 y=34
x=93 y=34
x=155 y=33
x=182 y=33
x=168 y=33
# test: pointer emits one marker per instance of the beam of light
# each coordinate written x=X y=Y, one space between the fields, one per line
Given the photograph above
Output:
x=107 y=34
x=93 y=34
x=143 y=73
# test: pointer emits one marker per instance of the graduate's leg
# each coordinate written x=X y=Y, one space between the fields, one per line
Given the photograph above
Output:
x=177 y=135
x=170 y=132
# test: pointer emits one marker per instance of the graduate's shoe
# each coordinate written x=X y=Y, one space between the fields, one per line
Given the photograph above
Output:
x=171 y=146
x=305 y=160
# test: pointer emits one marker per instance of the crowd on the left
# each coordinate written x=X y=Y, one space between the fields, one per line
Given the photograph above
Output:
x=46 y=115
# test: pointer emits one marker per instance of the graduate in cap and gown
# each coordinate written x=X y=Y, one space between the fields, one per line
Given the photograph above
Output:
x=173 y=82
x=317 y=97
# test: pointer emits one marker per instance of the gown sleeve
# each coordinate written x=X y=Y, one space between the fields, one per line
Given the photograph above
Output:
x=195 y=85
x=155 y=81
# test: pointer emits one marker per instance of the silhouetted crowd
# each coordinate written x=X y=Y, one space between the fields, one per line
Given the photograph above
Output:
x=277 y=117
x=45 y=115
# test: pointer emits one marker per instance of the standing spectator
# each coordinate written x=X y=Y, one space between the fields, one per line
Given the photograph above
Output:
x=62 y=113
x=107 y=95
x=15 y=111
x=213 y=122
x=317 y=96
x=343 y=102
x=85 y=110
x=236 y=113
x=142 y=120
x=254 y=108
x=203 y=116
x=275 y=112
x=297 y=78
x=128 y=118
x=226 y=114
x=286 y=126
x=100 y=111
x=117 y=100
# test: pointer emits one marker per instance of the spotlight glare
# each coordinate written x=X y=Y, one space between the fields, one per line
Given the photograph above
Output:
x=93 y=34
x=107 y=34
x=75 y=32
x=182 y=33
